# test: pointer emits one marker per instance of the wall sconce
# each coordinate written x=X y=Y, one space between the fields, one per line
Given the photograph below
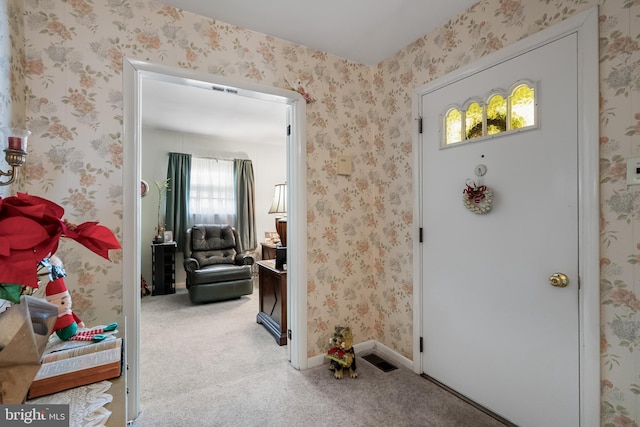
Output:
x=279 y=206
x=16 y=151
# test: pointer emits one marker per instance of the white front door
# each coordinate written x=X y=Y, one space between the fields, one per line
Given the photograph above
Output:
x=494 y=328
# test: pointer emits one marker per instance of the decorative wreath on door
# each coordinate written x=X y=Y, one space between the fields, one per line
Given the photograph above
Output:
x=477 y=198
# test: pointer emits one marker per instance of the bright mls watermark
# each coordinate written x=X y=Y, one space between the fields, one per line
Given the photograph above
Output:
x=34 y=415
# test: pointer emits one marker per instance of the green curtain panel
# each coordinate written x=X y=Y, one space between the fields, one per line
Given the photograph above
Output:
x=245 y=204
x=179 y=175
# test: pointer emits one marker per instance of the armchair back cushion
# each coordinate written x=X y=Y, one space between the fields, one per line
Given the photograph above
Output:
x=213 y=244
x=216 y=266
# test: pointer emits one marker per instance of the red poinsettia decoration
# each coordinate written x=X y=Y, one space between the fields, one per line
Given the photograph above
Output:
x=30 y=229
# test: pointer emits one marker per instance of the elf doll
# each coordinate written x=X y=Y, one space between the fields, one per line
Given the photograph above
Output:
x=67 y=324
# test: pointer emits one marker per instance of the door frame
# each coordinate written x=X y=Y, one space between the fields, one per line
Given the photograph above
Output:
x=585 y=25
x=133 y=71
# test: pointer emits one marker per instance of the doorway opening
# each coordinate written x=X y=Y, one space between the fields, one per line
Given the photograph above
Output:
x=134 y=72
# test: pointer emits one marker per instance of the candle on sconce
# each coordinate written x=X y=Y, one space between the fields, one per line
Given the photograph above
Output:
x=15 y=143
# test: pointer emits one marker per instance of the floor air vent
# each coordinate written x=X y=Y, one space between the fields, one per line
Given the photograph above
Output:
x=379 y=362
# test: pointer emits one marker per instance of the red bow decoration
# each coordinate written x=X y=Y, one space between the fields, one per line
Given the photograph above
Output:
x=475 y=193
x=96 y=238
x=337 y=352
x=30 y=229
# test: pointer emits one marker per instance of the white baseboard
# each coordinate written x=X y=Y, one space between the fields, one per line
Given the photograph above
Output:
x=367 y=347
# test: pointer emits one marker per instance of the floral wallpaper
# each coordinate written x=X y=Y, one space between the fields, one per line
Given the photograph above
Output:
x=5 y=83
x=12 y=82
x=620 y=211
x=359 y=227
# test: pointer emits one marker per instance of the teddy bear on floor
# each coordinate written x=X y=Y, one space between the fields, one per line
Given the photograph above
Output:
x=341 y=353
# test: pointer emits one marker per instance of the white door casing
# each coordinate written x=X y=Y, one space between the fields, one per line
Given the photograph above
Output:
x=485 y=306
x=133 y=72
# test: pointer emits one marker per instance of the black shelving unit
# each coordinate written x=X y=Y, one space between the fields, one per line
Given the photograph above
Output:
x=163 y=260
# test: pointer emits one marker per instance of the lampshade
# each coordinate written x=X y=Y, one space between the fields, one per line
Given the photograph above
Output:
x=279 y=204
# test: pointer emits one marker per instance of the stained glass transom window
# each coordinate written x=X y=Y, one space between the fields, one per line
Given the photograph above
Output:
x=496 y=115
x=522 y=107
x=473 y=121
x=453 y=126
x=503 y=111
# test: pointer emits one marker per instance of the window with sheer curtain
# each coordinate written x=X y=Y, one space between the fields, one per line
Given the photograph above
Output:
x=212 y=192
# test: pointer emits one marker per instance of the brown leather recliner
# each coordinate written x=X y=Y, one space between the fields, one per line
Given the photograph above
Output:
x=217 y=269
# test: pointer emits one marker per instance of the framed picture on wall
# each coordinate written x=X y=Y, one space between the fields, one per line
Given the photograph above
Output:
x=168 y=236
x=144 y=188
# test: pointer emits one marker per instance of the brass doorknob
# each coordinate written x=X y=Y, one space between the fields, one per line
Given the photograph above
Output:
x=559 y=280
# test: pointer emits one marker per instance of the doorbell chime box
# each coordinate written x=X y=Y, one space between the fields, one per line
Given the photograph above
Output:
x=344 y=165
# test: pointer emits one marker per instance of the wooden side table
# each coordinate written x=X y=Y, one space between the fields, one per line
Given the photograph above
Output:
x=272 y=294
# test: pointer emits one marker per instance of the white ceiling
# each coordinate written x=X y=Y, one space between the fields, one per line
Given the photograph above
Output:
x=362 y=31
x=188 y=109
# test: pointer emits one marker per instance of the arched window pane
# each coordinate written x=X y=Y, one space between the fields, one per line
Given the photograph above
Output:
x=473 y=121
x=522 y=101
x=453 y=125
x=496 y=115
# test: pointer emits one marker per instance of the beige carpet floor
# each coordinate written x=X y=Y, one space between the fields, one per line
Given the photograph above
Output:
x=213 y=365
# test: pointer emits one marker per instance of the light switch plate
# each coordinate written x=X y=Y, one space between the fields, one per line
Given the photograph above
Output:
x=633 y=171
